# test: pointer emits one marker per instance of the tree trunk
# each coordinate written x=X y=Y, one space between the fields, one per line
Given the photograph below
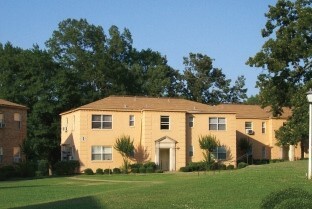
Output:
x=291 y=153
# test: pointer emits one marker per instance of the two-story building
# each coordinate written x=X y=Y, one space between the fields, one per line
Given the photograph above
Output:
x=13 y=130
x=168 y=129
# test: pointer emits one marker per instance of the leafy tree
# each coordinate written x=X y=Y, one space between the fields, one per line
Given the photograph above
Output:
x=125 y=147
x=207 y=84
x=285 y=59
x=253 y=100
x=208 y=143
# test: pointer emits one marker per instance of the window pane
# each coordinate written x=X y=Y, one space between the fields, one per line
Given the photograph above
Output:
x=213 y=127
x=107 y=118
x=221 y=120
x=96 y=125
x=248 y=125
x=96 y=149
x=164 y=126
x=213 y=120
x=107 y=150
x=107 y=156
x=221 y=127
x=96 y=156
x=165 y=119
x=96 y=117
x=107 y=125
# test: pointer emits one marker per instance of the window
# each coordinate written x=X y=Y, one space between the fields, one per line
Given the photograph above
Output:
x=164 y=122
x=101 y=122
x=131 y=120
x=2 y=124
x=17 y=117
x=219 y=153
x=191 y=121
x=216 y=123
x=248 y=125
x=1 y=154
x=263 y=127
x=263 y=152
x=101 y=153
x=191 y=151
x=16 y=154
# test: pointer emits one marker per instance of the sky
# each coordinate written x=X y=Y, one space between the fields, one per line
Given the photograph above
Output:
x=229 y=31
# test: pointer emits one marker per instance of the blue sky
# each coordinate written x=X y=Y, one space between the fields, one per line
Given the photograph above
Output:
x=228 y=31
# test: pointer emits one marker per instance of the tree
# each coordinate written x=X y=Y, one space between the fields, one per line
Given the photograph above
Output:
x=285 y=57
x=253 y=100
x=208 y=143
x=207 y=84
x=125 y=147
x=286 y=60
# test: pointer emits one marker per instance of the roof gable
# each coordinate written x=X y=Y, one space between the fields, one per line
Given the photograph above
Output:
x=11 y=104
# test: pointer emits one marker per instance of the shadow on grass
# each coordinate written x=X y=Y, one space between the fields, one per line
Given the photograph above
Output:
x=76 y=203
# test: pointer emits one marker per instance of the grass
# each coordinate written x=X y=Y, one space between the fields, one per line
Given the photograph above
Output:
x=244 y=188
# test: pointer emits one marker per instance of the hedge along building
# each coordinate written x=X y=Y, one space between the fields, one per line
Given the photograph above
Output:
x=167 y=129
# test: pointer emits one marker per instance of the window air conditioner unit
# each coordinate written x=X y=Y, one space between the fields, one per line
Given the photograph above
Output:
x=250 y=132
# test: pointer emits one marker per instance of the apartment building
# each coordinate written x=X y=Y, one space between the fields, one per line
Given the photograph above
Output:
x=13 y=130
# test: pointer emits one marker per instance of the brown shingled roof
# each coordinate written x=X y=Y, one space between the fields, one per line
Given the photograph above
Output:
x=131 y=103
x=251 y=111
x=11 y=104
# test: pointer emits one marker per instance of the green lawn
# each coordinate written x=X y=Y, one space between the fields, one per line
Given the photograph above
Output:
x=243 y=188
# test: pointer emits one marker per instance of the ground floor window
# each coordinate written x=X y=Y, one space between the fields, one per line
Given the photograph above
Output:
x=16 y=154
x=219 y=153
x=1 y=154
x=101 y=153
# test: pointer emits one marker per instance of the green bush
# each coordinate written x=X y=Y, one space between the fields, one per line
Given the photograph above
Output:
x=142 y=169
x=99 y=171
x=242 y=165
x=287 y=198
x=66 y=167
x=135 y=167
x=222 y=166
x=230 y=167
x=108 y=171
x=88 y=171
x=26 y=169
x=135 y=170
x=150 y=169
x=116 y=171
x=151 y=164
x=186 y=169
x=7 y=172
x=43 y=167
x=159 y=171
x=198 y=166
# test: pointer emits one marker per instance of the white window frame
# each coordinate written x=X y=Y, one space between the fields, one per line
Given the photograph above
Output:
x=101 y=152
x=263 y=127
x=216 y=126
x=191 y=121
x=164 y=125
x=131 y=120
x=102 y=121
x=216 y=153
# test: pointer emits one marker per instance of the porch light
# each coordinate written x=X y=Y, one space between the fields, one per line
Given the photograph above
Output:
x=309 y=97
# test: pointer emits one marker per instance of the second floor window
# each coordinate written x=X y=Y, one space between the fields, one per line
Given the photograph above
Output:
x=131 y=120
x=2 y=124
x=191 y=121
x=102 y=122
x=263 y=127
x=164 y=122
x=217 y=124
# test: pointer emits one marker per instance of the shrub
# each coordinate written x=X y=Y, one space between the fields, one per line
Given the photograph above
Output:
x=142 y=169
x=108 y=171
x=26 y=169
x=66 y=167
x=230 y=167
x=7 y=172
x=198 y=166
x=150 y=169
x=135 y=170
x=99 y=171
x=116 y=171
x=43 y=168
x=159 y=171
x=222 y=166
x=186 y=169
x=287 y=198
x=135 y=167
x=150 y=164
x=241 y=165
x=88 y=171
